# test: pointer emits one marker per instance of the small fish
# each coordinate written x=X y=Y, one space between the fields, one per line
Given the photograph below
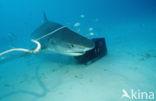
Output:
x=90 y=29
x=82 y=16
x=91 y=34
x=77 y=24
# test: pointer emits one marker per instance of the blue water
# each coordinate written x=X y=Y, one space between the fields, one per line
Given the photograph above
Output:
x=129 y=27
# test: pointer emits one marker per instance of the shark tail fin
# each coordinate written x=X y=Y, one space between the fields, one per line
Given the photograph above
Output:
x=45 y=17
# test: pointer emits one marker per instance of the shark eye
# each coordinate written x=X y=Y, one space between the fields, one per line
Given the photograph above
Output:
x=72 y=45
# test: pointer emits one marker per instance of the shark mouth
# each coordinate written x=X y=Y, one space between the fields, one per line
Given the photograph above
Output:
x=78 y=53
x=75 y=53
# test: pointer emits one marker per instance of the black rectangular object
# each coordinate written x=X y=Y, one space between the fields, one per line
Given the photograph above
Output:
x=91 y=56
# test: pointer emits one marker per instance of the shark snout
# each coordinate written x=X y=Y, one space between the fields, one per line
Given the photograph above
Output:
x=90 y=46
x=88 y=49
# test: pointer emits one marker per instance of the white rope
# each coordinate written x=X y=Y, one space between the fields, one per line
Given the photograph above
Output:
x=37 y=49
x=51 y=33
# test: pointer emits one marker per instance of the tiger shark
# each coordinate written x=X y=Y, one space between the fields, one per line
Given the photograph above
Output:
x=53 y=37
x=56 y=38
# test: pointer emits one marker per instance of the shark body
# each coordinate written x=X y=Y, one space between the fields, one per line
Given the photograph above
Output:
x=60 y=39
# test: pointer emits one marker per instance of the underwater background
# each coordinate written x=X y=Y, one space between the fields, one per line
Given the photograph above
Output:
x=129 y=27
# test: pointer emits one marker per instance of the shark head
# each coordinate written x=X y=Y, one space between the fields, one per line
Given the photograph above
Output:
x=59 y=39
x=68 y=49
x=70 y=43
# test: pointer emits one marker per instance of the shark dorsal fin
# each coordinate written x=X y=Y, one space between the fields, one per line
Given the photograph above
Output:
x=45 y=17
